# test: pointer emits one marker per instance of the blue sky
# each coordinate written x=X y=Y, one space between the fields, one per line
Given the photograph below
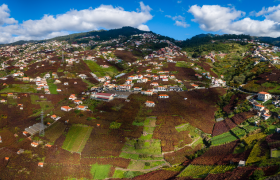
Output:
x=180 y=19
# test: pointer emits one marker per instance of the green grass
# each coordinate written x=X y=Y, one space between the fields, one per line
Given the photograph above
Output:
x=196 y=171
x=100 y=171
x=275 y=154
x=147 y=137
x=52 y=88
x=136 y=157
x=126 y=174
x=182 y=64
x=115 y=125
x=45 y=105
x=138 y=123
x=222 y=169
x=118 y=174
x=89 y=83
x=76 y=138
x=154 y=164
x=187 y=127
x=20 y=88
x=55 y=131
x=222 y=139
x=99 y=71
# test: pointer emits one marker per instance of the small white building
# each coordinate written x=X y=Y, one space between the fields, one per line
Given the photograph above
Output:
x=241 y=163
x=259 y=107
x=150 y=104
x=66 y=108
x=34 y=144
x=163 y=96
x=264 y=96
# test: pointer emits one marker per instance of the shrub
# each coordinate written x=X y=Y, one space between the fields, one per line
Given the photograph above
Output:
x=257 y=175
x=147 y=164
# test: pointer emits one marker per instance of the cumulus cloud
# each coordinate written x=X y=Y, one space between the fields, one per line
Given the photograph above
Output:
x=105 y=16
x=215 y=17
x=229 y=20
x=268 y=10
x=179 y=20
x=5 y=14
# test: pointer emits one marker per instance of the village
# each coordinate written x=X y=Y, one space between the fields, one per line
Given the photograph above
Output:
x=101 y=104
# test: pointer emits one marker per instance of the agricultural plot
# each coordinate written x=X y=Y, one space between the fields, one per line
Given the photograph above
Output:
x=55 y=131
x=20 y=88
x=126 y=174
x=100 y=171
x=196 y=171
x=52 y=88
x=44 y=104
x=145 y=147
x=99 y=71
x=158 y=174
x=140 y=165
x=76 y=138
x=215 y=155
x=169 y=136
x=7 y=138
x=228 y=124
x=181 y=155
x=198 y=109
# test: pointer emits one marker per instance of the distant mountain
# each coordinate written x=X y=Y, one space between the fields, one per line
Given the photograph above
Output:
x=270 y=40
x=103 y=34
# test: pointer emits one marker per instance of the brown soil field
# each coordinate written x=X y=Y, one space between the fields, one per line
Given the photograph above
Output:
x=58 y=155
x=216 y=155
x=208 y=68
x=198 y=109
x=127 y=56
x=234 y=101
x=169 y=136
x=227 y=124
x=72 y=88
x=104 y=143
x=159 y=174
x=183 y=73
x=8 y=138
x=180 y=156
x=116 y=162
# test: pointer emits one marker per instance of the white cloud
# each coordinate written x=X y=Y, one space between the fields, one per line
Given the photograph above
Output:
x=105 y=16
x=179 y=2
x=215 y=17
x=179 y=20
x=181 y=23
x=227 y=20
x=268 y=10
x=5 y=14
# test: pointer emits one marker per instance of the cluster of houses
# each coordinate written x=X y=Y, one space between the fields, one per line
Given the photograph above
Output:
x=262 y=111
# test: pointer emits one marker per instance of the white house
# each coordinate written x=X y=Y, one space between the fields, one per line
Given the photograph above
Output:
x=259 y=107
x=78 y=102
x=264 y=96
x=34 y=144
x=150 y=104
x=83 y=108
x=66 y=108
x=266 y=116
x=163 y=96
x=72 y=97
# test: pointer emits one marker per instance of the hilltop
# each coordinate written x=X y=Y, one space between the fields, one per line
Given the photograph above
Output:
x=126 y=103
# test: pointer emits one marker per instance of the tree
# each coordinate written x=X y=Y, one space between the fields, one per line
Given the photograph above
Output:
x=257 y=175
